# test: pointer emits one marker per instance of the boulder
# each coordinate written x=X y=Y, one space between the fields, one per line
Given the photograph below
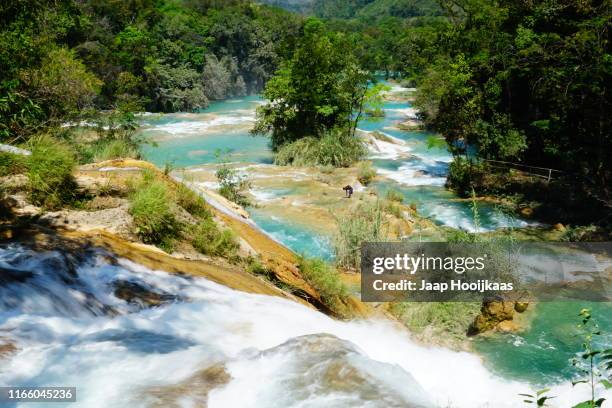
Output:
x=559 y=227
x=520 y=307
x=492 y=313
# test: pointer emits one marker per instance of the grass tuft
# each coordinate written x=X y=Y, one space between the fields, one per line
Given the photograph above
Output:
x=395 y=196
x=334 y=149
x=192 y=202
x=154 y=218
x=114 y=149
x=366 y=173
x=207 y=239
x=326 y=280
x=364 y=224
x=12 y=164
x=50 y=168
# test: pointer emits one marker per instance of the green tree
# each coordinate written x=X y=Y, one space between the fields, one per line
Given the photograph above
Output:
x=315 y=91
x=62 y=85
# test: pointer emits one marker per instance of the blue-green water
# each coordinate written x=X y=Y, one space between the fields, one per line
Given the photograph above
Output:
x=190 y=139
x=296 y=237
x=540 y=355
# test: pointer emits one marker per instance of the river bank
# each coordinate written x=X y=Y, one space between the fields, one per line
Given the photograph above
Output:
x=296 y=211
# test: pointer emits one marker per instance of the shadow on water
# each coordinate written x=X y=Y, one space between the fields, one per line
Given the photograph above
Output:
x=142 y=341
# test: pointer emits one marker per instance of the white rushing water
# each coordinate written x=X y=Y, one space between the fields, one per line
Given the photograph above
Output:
x=71 y=330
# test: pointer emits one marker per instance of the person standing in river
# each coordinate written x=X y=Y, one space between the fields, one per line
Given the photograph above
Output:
x=348 y=190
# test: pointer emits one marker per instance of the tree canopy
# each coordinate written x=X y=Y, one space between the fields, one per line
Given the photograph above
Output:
x=318 y=89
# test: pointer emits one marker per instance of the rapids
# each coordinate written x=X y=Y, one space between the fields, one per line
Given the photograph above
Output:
x=204 y=343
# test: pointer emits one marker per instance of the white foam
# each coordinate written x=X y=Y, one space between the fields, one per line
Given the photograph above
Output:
x=194 y=127
x=411 y=176
x=113 y=359
x=381 y=149
x=410 y=113
x=263 y=195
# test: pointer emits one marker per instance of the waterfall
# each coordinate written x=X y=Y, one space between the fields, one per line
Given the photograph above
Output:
x=125 y=335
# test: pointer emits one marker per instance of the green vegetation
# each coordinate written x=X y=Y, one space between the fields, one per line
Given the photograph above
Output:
x=539 y=398
x=325 y=279
x=12 y=164
x=191 y=202
x=366 y=223
x=315 y=95
x=394 y=196
x=334 y=149
x=49 y=171
x=116 y=149
x=447 y=320
x=233 y=185
x=465 y=174
x=362 y=9
x=594 y=364
x=156 y=204
x=207 y=239
x=543 y=103
x=60 y=59
x=366 y=173
x=154 y=217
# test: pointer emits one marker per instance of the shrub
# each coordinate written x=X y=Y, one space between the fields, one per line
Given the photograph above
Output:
x=334 y=149
x=233 y=185
x=207 y=239
x=325 y=279
x=5 y=207
x=191 y=202
x=154 y=219
x=394 y=195
x=444 y=319
x=365 y=224
x=464 y=175
x=366 y=173
x=578 y=233
x=62 y=83
x=49 y=173
x=114 y=149
x=12 y=164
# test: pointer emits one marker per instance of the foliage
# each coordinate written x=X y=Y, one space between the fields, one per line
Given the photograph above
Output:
x=366 y=223
x=20 y=115
x=366 y=173
x=49 y=170
x=448 y=320
x=222 y=78
x=594 y=364
x=114 y=149
x=578 y=233
x=175 y=88
x=538 y=399
x=325 y=279
x=315 y=91
x=62 y=85
x=233 y=185
x=464 y=174
x=191 y=202
x=395 y=196
x=523 y=82
x=154 y=218
x=207 y=239
x=335 y=149
x=57 y=58
x=12 y=164
x=373 y=101
x=115 y=137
